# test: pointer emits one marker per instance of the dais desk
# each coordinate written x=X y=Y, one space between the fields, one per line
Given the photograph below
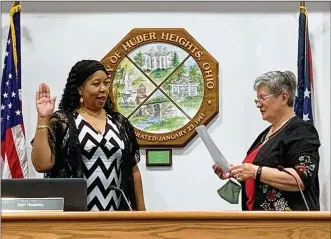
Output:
x=152 y=225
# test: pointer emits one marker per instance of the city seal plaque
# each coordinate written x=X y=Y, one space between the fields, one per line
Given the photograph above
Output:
x=165 y=83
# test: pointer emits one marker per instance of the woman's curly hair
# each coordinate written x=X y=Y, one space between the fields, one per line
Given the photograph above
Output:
x=78 y=74
x=70 y=101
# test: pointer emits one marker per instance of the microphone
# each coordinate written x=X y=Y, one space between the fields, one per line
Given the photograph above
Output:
x=123 y=195
x=282 y=169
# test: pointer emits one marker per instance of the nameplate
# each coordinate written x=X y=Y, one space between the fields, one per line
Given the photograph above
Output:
x=32 y=204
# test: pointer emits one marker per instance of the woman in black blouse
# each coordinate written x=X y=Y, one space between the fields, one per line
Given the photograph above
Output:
x=289 y=143
x=87 y=138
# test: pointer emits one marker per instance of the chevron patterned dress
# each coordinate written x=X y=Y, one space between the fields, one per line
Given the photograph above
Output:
x=102 y=156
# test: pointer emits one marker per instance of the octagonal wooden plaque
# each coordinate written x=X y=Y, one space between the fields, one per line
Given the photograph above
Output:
x=165 y=83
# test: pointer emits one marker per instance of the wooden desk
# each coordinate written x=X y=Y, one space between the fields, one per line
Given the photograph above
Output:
x=183 y=225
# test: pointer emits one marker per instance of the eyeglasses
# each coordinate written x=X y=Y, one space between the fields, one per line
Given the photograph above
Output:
x=263 y=98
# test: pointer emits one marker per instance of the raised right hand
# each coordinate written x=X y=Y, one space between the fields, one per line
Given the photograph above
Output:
x=218 y=171
x=44 y=103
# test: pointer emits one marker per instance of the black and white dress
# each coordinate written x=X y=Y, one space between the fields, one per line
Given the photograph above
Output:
x=102 y=157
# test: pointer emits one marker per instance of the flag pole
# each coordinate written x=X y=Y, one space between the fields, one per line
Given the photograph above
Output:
x=302 y=6
x=15 y=3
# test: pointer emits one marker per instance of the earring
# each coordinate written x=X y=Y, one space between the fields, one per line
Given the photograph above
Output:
x=81 y=100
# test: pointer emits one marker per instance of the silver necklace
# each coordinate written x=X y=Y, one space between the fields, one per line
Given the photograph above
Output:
x=270 y=134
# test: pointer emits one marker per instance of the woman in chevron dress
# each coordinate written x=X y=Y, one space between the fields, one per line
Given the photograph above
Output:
x=87 y=138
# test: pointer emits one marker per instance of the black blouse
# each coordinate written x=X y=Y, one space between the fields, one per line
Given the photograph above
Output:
x=294 y=146
x=65 y=146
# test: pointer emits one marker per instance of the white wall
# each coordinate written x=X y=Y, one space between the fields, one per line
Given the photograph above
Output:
x=246 y=44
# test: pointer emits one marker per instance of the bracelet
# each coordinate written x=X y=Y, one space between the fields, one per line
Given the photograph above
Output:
x=42 y=127
x=258 y=174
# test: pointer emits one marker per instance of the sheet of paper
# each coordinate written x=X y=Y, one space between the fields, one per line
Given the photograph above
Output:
x=214 y=152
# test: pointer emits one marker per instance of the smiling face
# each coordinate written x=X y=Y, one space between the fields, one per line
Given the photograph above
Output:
x=275 y=91
x=95 y=90
x=271 y=105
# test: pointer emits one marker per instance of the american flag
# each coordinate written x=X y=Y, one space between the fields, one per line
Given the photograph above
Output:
x=303 y=101
x=14 y=161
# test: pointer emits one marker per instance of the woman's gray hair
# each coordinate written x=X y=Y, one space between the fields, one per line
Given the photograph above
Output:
x=278 y=82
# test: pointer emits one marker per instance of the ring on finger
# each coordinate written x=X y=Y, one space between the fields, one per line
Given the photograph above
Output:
x=238 y=178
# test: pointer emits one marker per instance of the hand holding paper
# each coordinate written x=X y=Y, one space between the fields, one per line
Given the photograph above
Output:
x=214 y=152
x=219 y=172
x=229 y=191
